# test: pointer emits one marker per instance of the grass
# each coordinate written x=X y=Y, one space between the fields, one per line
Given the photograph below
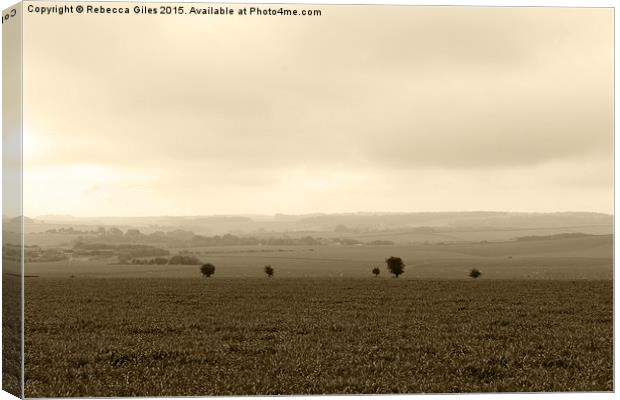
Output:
x=218 y=336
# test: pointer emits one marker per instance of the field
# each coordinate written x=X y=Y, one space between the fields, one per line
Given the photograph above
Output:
x=587 y=257
x=539 y=319
x=11 y=331
x=126 y=337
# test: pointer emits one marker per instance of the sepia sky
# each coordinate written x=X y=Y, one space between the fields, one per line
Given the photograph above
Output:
x=361 y=109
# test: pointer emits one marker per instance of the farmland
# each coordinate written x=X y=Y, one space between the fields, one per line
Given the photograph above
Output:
x=588 y=257
x=538 y=319
x=125 y=337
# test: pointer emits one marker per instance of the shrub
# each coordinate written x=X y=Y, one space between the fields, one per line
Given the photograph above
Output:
x=376 y=271
x=381 y=243
x=183 y=260
x=122 y=250
x=474 y=273
x=395 y=265
x=207 y=269
x=269 y=270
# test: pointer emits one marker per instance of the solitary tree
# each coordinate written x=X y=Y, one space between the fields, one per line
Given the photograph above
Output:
x=395 y=265
x=207 y=269
x=376 y=271
x=474 y=273
x=269 y=270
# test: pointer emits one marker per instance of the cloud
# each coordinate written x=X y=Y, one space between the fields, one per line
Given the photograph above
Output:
x=383 y=91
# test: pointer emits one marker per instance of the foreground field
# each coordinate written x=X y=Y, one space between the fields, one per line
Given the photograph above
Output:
x=148 y=337
x=11 y=331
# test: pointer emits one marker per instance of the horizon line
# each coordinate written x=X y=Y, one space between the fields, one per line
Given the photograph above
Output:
x=42 y=216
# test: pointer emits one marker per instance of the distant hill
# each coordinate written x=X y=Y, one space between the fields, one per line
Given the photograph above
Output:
x=552 y=237
x=464 y=219
x=350 y=223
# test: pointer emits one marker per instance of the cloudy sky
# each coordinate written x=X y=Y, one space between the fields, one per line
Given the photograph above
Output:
x=361 y=109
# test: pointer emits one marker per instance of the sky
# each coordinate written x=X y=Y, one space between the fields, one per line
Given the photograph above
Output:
x=365 y=108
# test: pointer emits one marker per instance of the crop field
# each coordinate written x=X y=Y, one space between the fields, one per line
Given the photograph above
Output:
x=11 y=331
x=539 y=319
x=217 y=336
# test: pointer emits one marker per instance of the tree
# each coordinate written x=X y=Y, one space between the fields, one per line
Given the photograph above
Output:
x=376 y=271
x=114 y=231
x=133 y=233
x=269 y=270
x=474 y=273
x=207 y=269
x=181 y=259
x=395 y=265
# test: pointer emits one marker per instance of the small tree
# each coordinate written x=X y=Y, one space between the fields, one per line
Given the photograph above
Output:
x=376 y=271
x=269 y=270
x=207 y=269
x=395 y=265
x=474 y=273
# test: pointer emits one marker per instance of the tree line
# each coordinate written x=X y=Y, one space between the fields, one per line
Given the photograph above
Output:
x=395 y=266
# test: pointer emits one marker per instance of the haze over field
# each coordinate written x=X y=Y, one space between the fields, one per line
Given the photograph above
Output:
x=434 y=245
x=347 y=223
